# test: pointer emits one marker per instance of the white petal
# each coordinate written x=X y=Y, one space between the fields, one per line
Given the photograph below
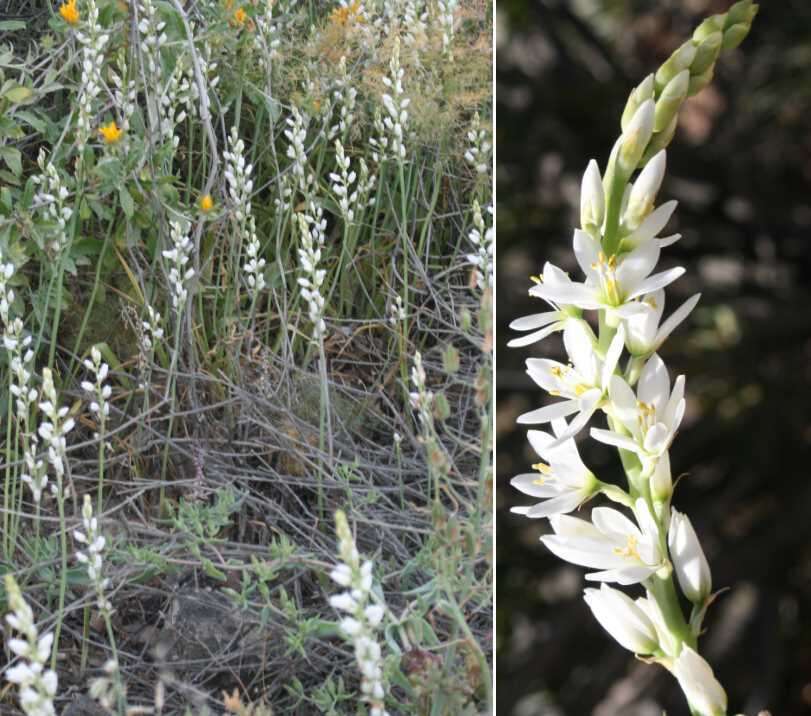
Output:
x=611 y=438
x=528 y=484
x=654 y=384
x=535 y=336
x=675 y=319
x=549 y=412
x=657 y=281
x=561 y=504
x=636 y=266
x=536 y=320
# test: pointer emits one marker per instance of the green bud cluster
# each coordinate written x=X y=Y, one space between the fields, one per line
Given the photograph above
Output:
x=685 y=73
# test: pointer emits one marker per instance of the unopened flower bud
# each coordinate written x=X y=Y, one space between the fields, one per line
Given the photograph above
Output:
x=680 y=60
x=622 y=619
x=592 y=199
x=706 y=53
x=640 y=94
x=661 y=140
x=704 y=694
x=691 y=565
x=635 y=139
x=661 y=481
x=709 y=26
x=671 y=99
x=644 y=190
x=734 y=36
x=741 y=12
x=699 y=82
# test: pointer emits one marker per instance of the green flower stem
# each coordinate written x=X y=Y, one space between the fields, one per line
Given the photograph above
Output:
x=63 y=577
x=664 y=592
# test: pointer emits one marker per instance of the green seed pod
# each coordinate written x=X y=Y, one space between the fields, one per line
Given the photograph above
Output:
x=450 y=359
x=643 y=91
x=699 y=82
x=670 y=101
x=706 y=53
x=734 y=36
x=442 y=409
x=680 y=60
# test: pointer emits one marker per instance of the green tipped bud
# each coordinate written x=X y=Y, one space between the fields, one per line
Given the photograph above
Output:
x=660 y=140
x=670 y=101
x=699 y=82
x=680 y=60
x=592 y=199
x=661 y=481
x=635 y=139
x=644 y=190
x=741 y=12
x=709 y=27
x=641 y=93
x=706 y=53
x=734 y=36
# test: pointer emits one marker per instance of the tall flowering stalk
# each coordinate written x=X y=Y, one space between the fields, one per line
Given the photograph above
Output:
x=240 y=187
x=312 y=227
x=99 y=392
x=362 y=616
x=617 y=248
x=52 y=429
x=37 y=683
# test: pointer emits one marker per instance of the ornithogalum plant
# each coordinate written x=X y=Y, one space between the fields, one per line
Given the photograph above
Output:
x=617 y=247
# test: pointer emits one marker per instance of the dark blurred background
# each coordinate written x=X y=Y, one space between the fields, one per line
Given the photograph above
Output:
x=740 y=168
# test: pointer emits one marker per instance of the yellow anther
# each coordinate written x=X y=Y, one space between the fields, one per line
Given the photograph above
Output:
x=579 y=389
x=557 y=371
x=630 y=550
x=536 y=279
x=543 y=468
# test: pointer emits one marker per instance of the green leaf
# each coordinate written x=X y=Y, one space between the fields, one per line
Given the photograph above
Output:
x=127 y=204
x=19 y=94
x=13 y=159
x=11 y=25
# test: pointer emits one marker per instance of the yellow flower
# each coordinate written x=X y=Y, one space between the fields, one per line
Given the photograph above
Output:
x=111 y=132
x=69 y=12
x=346 y=14
x=206 y=203
x=240 y=16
